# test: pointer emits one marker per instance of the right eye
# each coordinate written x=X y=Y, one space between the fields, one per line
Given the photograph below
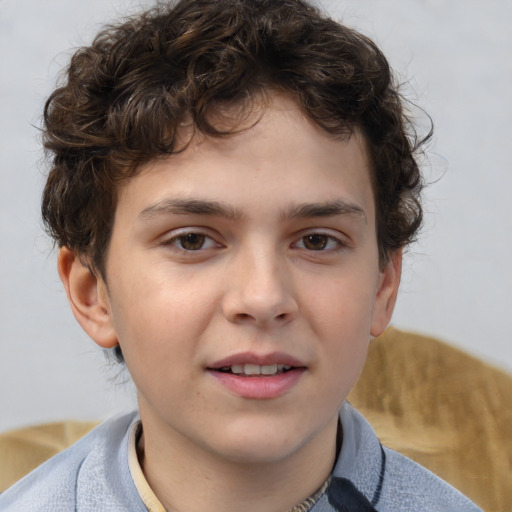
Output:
x=192 y=241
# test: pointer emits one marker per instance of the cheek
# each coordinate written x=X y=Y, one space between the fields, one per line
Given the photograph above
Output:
x=158 y=319
x=340 y=315
x=343 y=303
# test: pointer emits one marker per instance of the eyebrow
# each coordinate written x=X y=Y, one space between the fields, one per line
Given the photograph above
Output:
x=189 y=207
x=326 y=209
x=202 y=207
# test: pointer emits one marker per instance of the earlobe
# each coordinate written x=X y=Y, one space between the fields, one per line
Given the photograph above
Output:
x=88 y=297
x=387 y=292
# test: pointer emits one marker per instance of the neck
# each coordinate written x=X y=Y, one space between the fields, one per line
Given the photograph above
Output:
x=187 y=478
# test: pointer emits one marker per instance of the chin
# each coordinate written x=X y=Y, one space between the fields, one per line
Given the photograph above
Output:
x=263 y=442
x=255 y=452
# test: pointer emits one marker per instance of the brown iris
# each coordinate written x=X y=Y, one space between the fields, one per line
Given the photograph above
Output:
x=315 y=242
x=192 y=241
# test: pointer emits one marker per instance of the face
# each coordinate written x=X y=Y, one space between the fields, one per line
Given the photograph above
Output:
x=244 y=284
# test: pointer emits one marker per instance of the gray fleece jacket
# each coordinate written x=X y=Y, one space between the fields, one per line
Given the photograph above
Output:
x=93 y=476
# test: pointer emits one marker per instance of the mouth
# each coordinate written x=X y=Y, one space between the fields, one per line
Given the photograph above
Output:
x=253 y=376
x=252 y=370
x=250 y=364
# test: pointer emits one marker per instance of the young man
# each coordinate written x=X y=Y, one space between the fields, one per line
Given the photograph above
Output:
x=233 y=182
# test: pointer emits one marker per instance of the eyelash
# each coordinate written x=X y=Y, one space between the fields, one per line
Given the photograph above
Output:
x=330 y=243
x=178 y=240
x=335 y=243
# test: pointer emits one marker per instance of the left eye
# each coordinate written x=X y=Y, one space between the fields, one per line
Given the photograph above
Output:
x=192 y=241
x=318 y=242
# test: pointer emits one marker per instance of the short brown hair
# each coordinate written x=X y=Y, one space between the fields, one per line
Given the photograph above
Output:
x=125 y=96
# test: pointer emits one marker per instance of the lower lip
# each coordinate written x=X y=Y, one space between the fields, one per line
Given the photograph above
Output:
x=259 y=387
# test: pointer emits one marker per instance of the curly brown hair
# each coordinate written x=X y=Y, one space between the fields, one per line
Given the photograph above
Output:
x=125 y=96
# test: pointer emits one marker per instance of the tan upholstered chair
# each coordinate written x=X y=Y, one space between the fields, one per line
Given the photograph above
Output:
x=441 y=407
x=448 y=411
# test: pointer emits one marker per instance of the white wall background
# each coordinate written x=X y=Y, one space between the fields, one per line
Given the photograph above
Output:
x=457 y=282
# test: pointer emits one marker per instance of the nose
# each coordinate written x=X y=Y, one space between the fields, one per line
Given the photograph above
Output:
x=259 y=290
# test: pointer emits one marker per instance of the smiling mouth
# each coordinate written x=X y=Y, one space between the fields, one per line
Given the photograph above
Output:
x=251 y=370
x=257 y=377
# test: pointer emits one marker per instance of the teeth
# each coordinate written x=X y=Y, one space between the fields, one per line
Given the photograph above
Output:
x=252 y=369
x=256 y=369
x=270 y=369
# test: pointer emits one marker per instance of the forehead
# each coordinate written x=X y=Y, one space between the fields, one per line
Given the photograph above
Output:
x=273 y=152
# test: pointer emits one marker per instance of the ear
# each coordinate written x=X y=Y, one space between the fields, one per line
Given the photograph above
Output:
x=88 y=297
x=389 y=281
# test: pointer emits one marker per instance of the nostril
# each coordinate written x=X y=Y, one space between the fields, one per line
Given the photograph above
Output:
x=245 y=317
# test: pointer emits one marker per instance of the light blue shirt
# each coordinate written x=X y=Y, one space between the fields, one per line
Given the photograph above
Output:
x=93 y=475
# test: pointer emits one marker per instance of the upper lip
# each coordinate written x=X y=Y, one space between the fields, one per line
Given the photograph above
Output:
x=259 y=359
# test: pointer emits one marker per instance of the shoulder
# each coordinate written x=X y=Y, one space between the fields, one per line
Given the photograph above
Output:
x=90 y=475
x=390 y=481
x=408 y=486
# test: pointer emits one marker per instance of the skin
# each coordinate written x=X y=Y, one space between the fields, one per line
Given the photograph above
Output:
x=266 y=269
